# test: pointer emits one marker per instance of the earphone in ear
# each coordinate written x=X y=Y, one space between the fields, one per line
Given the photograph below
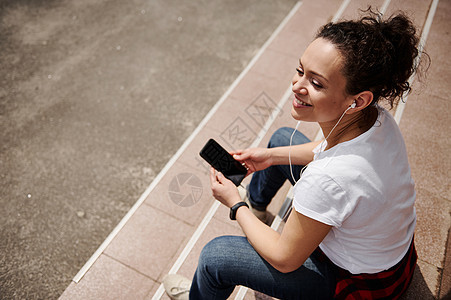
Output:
x=353 y=105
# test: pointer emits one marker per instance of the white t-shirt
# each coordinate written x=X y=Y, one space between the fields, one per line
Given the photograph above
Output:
x=363 y=188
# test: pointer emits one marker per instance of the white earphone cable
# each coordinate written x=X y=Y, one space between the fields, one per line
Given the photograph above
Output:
x=321 y=146
x=289 y=151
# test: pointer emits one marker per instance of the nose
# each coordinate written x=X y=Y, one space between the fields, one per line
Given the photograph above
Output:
x=299 y=85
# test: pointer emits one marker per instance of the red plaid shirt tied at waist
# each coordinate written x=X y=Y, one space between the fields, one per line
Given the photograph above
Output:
x=388 y=284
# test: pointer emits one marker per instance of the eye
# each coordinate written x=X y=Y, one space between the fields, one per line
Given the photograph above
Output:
x=317 y=84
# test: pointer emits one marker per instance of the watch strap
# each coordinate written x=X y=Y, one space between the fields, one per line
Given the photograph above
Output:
x=234 y=209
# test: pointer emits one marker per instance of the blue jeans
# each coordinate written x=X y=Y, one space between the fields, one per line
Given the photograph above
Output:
x=228 y=261
x=265 y=184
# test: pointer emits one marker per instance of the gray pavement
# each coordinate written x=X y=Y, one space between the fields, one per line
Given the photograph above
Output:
x=95 y=97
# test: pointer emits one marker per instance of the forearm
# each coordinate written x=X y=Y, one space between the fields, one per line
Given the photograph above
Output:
x=300 y=154
x=262 y=237
x=286 y=251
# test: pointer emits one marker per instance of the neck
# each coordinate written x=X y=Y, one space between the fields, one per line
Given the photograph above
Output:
x=350 y=127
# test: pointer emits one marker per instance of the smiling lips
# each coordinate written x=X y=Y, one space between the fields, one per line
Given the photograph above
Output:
x=298 y=103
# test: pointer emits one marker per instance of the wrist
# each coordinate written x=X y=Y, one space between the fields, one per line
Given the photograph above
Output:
x=271 y=156
x=234 y=209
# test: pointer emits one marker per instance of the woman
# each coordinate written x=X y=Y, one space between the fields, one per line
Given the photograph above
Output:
x=350 y=233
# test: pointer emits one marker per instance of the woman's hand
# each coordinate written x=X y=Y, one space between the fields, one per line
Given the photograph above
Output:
x=223 y=189
x=255 y=159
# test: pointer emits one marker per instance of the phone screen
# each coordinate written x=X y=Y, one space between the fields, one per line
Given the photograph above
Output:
x=222 y=161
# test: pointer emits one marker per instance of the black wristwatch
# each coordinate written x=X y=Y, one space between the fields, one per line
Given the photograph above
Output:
x=234 y=208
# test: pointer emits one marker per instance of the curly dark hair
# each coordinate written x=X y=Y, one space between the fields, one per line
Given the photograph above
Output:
x=379 y=55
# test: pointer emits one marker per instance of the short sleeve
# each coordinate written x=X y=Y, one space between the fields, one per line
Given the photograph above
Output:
x=321 y=198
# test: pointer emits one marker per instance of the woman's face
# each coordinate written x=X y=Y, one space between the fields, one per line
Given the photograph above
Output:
x=318 y=85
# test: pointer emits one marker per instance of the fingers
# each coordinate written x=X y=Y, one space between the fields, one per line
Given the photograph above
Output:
x=234 y=152
x=242 y=156
x=247 y=154
x=220 y=177
x=215 y=176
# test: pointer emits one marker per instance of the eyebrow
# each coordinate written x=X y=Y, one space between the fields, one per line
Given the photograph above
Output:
x=314 y=73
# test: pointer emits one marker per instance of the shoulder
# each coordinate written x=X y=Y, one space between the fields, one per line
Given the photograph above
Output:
x=319 y=196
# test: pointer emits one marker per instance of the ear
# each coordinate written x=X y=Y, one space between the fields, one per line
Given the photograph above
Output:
x=362 y=100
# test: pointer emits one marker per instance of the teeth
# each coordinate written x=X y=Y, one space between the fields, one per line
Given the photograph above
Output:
x=301 y=102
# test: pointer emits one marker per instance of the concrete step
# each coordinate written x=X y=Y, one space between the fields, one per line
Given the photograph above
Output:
x=165 y=231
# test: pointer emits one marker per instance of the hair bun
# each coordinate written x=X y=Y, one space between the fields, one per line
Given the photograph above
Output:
x=379 y=55
x=399 y=31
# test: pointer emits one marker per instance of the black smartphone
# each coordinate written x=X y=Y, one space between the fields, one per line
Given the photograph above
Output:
x=223 y=161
